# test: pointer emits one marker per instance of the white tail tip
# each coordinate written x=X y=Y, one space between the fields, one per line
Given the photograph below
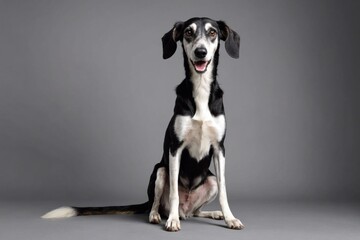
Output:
x=62 y=212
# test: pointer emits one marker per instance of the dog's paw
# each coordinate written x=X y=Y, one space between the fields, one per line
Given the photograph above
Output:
x=172 y=224
x=154 y=217
x=234 y=224
x=217 y=215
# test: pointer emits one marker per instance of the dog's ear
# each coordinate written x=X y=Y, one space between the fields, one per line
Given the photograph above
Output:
x=231 y=38
x=169 y=40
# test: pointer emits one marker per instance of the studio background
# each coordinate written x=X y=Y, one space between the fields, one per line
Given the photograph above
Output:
x=85 y=98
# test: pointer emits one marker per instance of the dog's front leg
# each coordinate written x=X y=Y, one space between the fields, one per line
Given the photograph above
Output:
x=231 y=221
x=173 y=222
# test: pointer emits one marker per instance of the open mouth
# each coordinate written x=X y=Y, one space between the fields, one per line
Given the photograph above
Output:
x=200 y=66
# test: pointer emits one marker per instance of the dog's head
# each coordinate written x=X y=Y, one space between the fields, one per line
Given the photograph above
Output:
x=200 y=39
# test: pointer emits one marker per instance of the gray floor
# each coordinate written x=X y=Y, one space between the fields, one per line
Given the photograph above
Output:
x=263 y=220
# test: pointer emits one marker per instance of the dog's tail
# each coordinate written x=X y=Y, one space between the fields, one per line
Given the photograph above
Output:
x=66 y=212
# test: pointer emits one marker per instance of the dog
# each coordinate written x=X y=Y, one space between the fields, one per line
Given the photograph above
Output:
x=181 y=183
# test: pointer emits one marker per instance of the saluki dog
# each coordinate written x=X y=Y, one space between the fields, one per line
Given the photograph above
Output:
x=181 y=183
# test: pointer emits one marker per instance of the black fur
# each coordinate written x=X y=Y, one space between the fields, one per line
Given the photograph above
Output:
x=231 y=38
x=130 y=209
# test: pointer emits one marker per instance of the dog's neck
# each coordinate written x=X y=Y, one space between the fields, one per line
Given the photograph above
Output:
x=202 y=85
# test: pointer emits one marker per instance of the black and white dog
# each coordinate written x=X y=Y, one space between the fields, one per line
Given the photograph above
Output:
x=181 y=183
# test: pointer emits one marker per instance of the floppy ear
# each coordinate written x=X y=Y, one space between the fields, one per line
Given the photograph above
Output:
x=170 y=38
x=231 y=38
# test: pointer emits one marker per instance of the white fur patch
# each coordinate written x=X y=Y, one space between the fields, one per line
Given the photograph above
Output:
x=193 y=26
x=201 y=93
x=208 y=26
x=62 y=212
x=199 y=135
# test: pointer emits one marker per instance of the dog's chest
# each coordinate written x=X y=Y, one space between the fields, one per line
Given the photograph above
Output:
x=201 y=131
x=199 y=135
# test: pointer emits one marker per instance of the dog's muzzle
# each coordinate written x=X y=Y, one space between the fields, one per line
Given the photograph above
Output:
x=200 y=65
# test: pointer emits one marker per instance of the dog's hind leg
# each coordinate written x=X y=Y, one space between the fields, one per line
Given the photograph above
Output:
x=217 y=215
x=210 y=187
x=154 y=216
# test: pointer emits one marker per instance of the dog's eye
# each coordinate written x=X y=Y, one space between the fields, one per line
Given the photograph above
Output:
x=212 y=33
x=188 y=33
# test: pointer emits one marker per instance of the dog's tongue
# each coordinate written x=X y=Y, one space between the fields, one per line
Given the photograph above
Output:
x=200 y=66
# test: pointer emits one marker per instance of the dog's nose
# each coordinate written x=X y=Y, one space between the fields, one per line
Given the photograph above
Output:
x=200 y=52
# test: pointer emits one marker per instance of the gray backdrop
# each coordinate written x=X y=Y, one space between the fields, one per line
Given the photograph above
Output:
x=85 y=97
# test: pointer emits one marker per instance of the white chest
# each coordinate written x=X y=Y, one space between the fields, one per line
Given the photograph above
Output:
x=199 y=135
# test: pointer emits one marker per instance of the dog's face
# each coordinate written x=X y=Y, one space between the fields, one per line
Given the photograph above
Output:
x=200 y=39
